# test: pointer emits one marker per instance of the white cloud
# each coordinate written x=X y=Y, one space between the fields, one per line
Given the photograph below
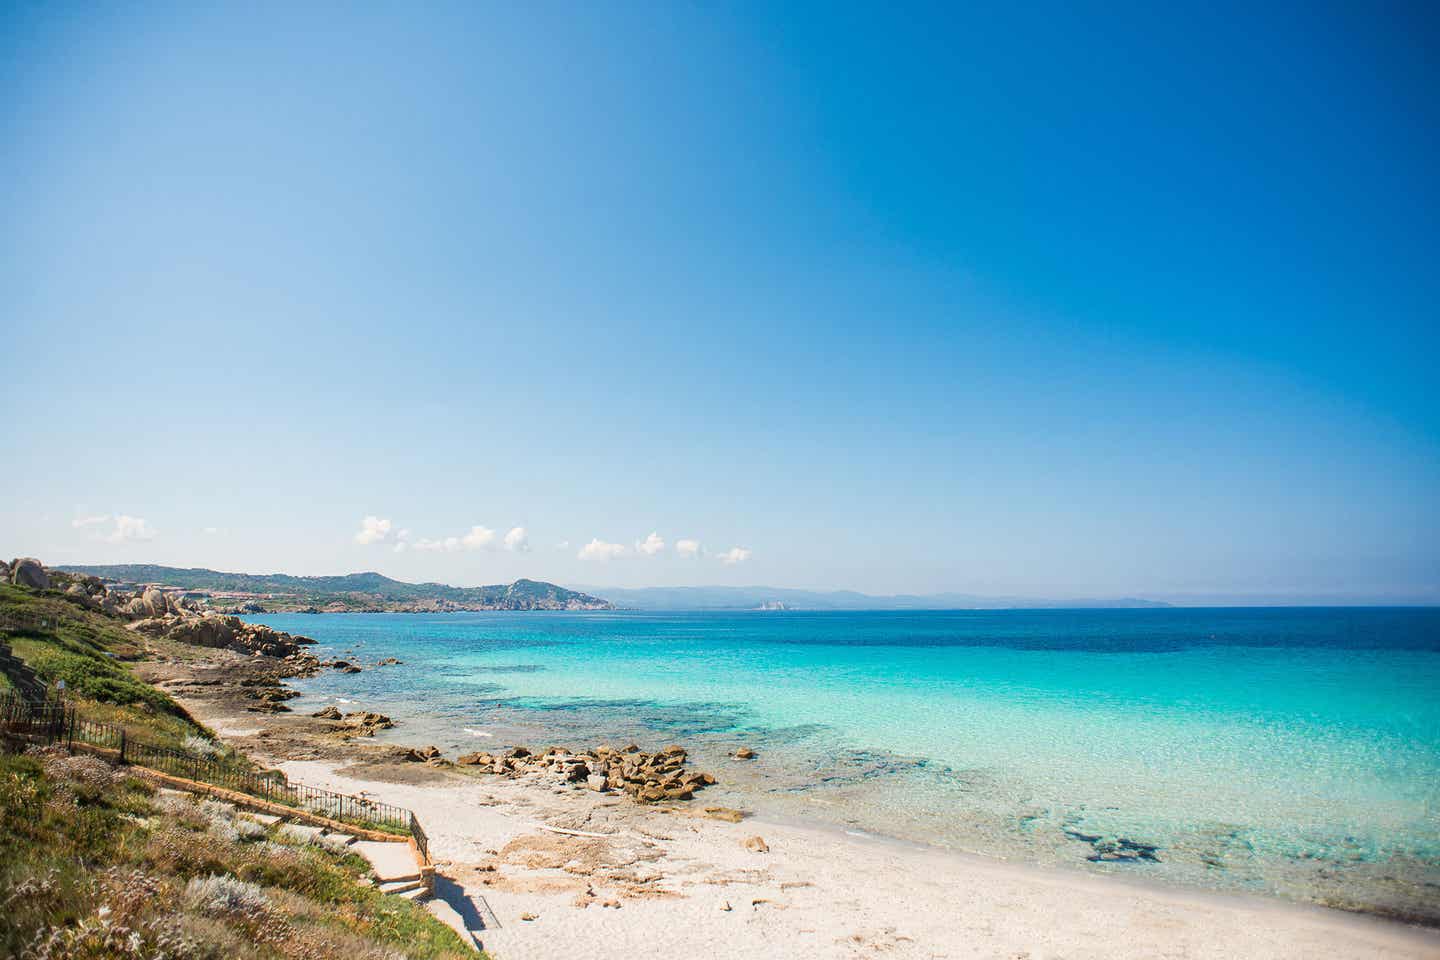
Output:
x=91 y=521
x=375 y=530
x=517 y=540
x=651 y=545
x=563 y=545
x=478 y=537
x=129 y=528
x=734 y=555
x=598 y=549
x=688 y=548
x=210 y=531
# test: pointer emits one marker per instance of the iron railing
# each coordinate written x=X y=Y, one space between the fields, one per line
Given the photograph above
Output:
x=57 y=721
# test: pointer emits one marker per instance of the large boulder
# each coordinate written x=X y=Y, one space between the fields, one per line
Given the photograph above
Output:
x=153 y=602
x=29 y=572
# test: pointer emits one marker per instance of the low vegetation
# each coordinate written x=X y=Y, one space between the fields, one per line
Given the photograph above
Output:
x=95 y=864
x=53 y=637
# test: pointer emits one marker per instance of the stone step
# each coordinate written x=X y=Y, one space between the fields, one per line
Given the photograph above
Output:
x=390 y=861
x=417 y=892
x=344 y=838
x=402 y=886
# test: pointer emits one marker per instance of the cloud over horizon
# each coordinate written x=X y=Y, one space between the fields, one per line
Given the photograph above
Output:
x=129 y=529
x=375 y=530
x=651 y=545
x=598 y=549
x=126 y=529
x=734 y=555
x=688 y=548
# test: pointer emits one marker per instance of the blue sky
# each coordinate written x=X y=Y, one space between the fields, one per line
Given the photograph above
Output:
x=1127 y=300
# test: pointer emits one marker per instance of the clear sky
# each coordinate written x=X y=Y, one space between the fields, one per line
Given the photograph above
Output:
x=1058 y=300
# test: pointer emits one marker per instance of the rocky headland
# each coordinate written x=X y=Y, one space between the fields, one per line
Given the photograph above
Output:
x=244 y=593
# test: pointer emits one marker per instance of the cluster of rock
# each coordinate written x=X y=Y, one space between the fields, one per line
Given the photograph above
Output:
x=648 y=777
x=158 y=614
x=269 y=695
x=361 y=723
x=231 y=633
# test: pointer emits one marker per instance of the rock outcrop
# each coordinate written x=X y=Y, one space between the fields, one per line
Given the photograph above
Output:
x=231 y=633
x=648 y=777
x=361 y=723
x=29 y=572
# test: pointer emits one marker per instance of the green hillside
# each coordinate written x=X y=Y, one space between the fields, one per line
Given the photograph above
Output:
x=352 y=591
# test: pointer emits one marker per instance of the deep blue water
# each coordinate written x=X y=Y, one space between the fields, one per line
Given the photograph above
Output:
x=1245 y=746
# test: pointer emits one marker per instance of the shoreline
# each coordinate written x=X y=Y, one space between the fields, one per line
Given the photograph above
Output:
x=818 y=892
x=486 y=834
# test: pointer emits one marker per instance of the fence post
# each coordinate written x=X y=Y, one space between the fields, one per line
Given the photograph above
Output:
x=122 y=744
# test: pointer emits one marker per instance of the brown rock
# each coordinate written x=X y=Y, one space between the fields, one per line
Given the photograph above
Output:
x=756 y=845
x=475 y=760
x=329 y=713
x=727 y=814
x=744 y=753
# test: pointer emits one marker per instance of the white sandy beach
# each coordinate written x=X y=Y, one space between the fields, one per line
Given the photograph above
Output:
x=685 y=885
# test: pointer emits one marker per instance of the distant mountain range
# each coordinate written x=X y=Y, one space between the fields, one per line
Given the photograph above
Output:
x=355 y=592
x=781 y=598
x=278 y=592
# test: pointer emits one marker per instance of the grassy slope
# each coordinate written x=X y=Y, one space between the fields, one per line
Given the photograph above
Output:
x=66 y=853
x=95 y=866
x=59 y=638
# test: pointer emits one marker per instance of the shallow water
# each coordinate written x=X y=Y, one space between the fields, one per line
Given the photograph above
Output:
x=1290 y=751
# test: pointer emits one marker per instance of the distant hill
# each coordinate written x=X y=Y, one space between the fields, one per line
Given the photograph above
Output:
x=279 y=592
x=782 y=598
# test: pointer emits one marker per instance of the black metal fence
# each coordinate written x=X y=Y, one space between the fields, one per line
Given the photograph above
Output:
x=57 y=721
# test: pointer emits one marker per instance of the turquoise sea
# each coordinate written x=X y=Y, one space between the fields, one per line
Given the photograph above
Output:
x=1288 y=751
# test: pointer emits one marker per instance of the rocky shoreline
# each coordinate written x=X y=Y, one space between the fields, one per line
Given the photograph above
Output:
x=610 y=850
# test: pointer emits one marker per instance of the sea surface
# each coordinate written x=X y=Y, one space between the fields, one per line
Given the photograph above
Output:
x=1286 y=751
